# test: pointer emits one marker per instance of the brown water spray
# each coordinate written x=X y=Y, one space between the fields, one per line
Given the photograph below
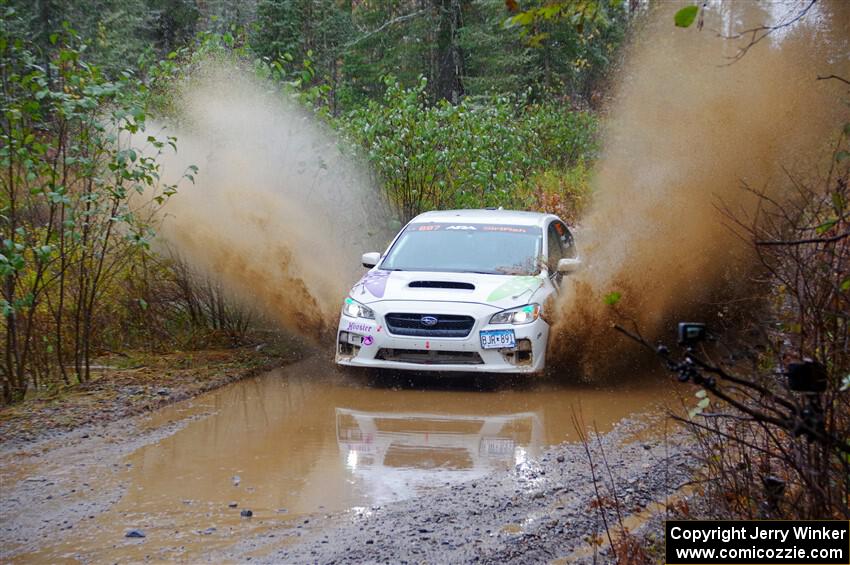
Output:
x=687 y=129
x=278 y=213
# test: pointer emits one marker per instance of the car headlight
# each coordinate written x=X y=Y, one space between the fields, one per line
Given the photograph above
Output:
x=356 y=310
x=517 y=316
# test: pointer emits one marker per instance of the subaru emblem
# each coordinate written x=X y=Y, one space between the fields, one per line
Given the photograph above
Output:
x=429 y=321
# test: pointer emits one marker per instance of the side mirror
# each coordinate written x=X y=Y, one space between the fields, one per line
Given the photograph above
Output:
x=567 y=266
x=369 y=260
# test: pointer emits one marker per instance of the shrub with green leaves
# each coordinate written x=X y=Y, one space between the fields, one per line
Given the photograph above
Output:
x=474 y=154
x=76 y=172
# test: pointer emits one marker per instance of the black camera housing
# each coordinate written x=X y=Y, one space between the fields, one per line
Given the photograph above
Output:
x=691 y=333
x=806 y=376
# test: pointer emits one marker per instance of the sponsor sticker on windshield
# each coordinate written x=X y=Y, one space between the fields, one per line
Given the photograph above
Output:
x=474 y=228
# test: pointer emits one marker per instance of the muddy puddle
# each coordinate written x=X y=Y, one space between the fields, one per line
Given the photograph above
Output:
x=309 y=440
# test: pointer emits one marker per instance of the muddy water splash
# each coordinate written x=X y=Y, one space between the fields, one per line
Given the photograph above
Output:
x=296 y=444
x=686 y=131
x=278 y=213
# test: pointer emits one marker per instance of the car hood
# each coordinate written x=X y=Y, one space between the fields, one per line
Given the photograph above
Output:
x=499 y=291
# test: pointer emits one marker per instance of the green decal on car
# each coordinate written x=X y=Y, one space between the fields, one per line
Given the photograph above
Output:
x=515 y=286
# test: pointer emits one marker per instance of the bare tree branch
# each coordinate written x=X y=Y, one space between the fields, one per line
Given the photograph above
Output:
x=385 y=25
x=836 y=77
x=831 y=239
x=757 y=34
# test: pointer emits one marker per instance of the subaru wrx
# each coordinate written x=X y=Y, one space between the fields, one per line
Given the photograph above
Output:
x=459 y=290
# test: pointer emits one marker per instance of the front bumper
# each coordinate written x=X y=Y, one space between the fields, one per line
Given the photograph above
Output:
x=374 y=345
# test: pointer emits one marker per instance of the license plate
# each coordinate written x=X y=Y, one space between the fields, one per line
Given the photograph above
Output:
x=497 y=339
x=496 y=446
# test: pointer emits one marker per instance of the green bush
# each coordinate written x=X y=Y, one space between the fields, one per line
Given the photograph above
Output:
x=75 y=169
x=565 y=192
x=474 y=154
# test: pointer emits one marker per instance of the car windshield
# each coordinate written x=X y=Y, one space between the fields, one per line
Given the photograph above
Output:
x=467 y=248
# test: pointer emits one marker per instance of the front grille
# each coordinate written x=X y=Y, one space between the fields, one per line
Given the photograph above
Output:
x=448 y=325
x=430 y=357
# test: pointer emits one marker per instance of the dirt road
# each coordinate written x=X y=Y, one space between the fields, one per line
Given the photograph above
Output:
x=335 y=467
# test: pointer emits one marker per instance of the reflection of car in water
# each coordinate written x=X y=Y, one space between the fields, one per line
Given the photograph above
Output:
x=402 y=452
x=460 y=290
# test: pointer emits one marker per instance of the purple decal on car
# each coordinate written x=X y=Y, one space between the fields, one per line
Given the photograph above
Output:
x=367 y=340
x=358 y=327
x=373 y=281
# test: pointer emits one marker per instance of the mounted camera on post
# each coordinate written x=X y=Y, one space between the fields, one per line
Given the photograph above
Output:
x=691 y=333
x=806 y=376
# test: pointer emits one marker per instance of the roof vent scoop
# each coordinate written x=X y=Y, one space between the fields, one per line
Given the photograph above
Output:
x=442 y=284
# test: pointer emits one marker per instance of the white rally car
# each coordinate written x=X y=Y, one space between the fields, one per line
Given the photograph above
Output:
x=458 y=290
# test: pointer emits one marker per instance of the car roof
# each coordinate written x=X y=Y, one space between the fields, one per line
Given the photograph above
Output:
x=485 y=216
